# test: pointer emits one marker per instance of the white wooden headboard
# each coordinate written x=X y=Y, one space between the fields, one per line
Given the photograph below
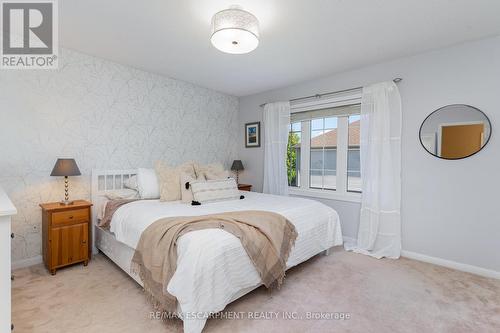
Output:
x=102 y=182
x=107 y=180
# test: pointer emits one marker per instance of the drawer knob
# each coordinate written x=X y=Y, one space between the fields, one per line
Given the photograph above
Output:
x=71 y=217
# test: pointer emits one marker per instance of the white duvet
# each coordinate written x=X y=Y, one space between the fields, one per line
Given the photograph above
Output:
x=213 y=269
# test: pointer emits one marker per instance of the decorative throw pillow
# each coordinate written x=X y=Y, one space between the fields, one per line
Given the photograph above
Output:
x=147 y=184
x=186 y=180
x=169 y=179
x=219 y=175
x=131 y=183
x=214 y=190
x=213 y=171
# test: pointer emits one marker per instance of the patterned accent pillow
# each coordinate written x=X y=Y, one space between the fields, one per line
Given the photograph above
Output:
x=169 y=179
x=219 y=175
x=215 y=190
x=131 y=183
x=213 y=171
x=186 y=180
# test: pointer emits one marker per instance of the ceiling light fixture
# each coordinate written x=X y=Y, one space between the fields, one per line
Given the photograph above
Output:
x=235 y=31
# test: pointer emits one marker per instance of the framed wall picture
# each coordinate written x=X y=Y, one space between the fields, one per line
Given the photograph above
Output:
x=252 y=135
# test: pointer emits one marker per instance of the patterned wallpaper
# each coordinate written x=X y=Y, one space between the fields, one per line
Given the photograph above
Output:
x=104 y=115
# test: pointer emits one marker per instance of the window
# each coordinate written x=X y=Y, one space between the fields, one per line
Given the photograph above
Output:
x=293 y=154
x=323 y=157
x=323 y=169
x=353 y=157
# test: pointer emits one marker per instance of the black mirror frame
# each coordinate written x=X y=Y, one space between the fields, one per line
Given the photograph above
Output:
x=459 y=158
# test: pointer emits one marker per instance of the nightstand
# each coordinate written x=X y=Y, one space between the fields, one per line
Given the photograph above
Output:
x=66 y=234
x=245 y=187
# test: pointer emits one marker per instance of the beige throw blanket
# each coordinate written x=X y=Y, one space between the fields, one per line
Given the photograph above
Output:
x=266 y=237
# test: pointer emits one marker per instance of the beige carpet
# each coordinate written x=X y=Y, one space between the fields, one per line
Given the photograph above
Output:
x=379 y=296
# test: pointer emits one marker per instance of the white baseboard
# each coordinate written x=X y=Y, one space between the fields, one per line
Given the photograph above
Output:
x=26 y=262
x=441 y=262
x=451 y=264
x=349 y=240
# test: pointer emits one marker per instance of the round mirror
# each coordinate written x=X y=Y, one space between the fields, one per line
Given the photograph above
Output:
x=455 y=131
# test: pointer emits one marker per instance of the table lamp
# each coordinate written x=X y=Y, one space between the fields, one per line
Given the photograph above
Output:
x=65 y=167
x=237 y=166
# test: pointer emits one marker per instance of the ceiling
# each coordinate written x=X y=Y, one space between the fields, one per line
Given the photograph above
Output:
x=300 y=40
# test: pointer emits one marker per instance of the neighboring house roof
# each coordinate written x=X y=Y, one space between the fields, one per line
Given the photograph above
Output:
x=329 y=139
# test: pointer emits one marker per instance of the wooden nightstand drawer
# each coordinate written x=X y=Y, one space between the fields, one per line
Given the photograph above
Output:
x=70 y=217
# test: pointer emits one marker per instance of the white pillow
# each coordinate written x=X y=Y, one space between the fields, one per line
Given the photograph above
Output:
x=214 y=190
x=147 y=184
x=125 y=193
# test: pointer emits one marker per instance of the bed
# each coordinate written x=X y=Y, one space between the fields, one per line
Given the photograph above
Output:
x=213 y=269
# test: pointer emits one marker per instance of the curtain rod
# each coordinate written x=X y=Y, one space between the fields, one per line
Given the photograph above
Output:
x=396 y=80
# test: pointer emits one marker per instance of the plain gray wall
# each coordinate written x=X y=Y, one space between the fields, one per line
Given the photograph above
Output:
x=449 y=208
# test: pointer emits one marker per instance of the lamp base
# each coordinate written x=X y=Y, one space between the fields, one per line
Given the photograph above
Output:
x=66 y=202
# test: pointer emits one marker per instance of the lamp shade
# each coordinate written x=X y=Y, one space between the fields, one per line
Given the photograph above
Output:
x=237 y=165
x=235 y=31
x=65 y=167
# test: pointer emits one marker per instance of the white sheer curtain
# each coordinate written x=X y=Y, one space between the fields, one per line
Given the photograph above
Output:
x=276 y=128
x=379 y=233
